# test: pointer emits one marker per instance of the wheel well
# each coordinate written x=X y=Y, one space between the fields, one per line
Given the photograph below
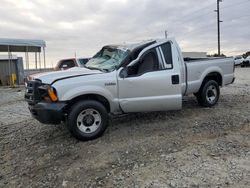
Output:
x=214 y=76
x=95 y=97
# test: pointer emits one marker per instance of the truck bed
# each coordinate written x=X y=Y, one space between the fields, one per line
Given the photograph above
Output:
x=198 y=68
x=191 y=60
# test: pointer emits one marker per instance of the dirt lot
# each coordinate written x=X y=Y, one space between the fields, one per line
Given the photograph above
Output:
x=195 y=147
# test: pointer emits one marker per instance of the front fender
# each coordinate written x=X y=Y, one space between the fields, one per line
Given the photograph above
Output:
x=85 y=90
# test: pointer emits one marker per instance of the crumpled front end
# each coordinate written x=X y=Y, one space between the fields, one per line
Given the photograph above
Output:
x=43 y=105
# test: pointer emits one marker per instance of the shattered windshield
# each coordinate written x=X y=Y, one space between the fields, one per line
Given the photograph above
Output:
x=108 y=59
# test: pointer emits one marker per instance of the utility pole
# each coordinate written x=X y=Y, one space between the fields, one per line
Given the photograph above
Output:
x=218 y=24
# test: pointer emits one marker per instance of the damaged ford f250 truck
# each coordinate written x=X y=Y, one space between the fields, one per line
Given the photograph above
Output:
x=144 y=77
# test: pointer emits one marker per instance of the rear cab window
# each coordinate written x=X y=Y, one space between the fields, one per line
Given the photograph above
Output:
x=167 y=55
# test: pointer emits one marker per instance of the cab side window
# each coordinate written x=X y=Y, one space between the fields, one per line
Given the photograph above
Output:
x=148 y=63
x=167 y=55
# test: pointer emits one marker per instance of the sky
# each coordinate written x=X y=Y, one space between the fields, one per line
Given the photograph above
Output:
x=82 y=27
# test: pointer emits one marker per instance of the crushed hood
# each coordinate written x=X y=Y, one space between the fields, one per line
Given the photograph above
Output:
x=50 y=77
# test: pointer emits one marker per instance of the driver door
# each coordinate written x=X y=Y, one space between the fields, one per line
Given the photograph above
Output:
x=150 y=84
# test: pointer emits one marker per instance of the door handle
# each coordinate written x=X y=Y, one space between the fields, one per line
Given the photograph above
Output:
x=175 y=79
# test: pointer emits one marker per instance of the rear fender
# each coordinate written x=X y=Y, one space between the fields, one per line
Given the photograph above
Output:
x=210 y=70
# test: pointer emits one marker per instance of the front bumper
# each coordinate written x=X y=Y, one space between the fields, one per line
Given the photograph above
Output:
x=48 y=113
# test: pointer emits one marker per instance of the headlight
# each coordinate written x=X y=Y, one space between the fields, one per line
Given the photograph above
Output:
x=52 y=94
x=48 y=93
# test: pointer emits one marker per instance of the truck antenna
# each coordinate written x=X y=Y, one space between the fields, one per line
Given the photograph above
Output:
x=166 y=34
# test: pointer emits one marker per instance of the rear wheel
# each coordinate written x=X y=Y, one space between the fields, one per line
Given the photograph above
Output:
x=87 y=120
x=209 y=94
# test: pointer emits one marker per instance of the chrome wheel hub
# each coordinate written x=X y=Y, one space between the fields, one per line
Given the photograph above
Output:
x=211 y=94
x=88 y=121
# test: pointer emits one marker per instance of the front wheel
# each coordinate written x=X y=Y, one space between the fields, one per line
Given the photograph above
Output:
x=209 y=94
x=87 y=120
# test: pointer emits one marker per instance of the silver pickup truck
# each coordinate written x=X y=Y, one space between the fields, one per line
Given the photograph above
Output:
x=144 y=77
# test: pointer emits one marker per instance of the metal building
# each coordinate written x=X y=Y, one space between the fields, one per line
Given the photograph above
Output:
x=11 y=72
x=16 y=65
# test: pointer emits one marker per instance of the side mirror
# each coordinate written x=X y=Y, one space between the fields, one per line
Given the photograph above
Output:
x=127 y=71
x=124 y=72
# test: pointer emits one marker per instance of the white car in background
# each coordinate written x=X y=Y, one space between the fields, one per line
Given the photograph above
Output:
x=238 y=60
x=246 y=62
x=247 y=58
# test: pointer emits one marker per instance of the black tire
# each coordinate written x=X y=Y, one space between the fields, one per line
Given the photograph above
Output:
x=208 y=94
x=77 y=120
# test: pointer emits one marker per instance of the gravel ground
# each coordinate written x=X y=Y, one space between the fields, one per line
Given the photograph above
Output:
x=194 y=147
